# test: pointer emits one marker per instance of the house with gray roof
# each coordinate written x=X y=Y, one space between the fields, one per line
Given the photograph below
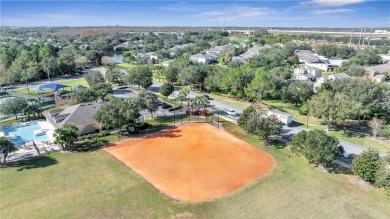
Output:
x=81 y=115
x=338 y=76
x=204 y=58
x=308 y=58
x=307 y=70
x=250 y=53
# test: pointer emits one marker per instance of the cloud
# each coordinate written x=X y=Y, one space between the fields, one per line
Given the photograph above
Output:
x=245 y=11
x=331 y=11
x=332 y=3
x=235 y=13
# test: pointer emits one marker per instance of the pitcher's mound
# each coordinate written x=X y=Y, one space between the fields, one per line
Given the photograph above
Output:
x=195 y=162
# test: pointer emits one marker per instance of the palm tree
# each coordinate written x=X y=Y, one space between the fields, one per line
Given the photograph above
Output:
x=6 y=147
x=27 y=112
x=182 y=96
x=66 y=136
x=191 y=103
x=201 y=101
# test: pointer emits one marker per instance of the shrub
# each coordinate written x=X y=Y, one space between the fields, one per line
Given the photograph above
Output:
x=303 y=110
x=103 y=133
x=387 y=192
x=385 y=132
x=366 y=165
x=141 y=126
x=174 y=108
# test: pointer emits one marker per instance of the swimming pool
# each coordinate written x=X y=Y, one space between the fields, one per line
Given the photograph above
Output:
x=25 y=133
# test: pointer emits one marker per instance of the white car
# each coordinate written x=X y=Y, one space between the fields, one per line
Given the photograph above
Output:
x=231 y=112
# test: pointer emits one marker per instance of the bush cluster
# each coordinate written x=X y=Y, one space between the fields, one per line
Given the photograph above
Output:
x=103 y=133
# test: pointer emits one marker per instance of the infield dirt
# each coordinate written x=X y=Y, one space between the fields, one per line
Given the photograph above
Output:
x=193 y=162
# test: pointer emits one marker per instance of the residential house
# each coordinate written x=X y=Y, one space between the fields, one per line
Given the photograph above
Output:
x=145 y=57
x=322 y=80
x=312 y=72
x=375 y=75
x=309 y=59
x=172 y=51
x=250 y=53
x=167 y=63
x=341 y=75
x=80 y=115
x=204 y=58
x=121 y=46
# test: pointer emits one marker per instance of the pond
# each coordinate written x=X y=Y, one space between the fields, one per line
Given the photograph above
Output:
x=117 y=56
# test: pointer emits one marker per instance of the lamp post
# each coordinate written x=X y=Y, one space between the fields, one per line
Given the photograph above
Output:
x=218 y=119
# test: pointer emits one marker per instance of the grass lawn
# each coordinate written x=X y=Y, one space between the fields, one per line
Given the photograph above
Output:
x=124 y=65
x=239 y=39
x=8 y=121
x=96 y=185
x=70 y=83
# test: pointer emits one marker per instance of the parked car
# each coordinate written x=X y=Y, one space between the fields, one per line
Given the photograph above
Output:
x=166 y=106
x=231 y=112
x=207 y=96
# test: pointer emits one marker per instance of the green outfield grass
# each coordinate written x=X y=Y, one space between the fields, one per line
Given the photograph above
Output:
x=96 y=185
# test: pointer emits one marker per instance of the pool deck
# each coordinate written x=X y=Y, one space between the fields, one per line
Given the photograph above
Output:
x=46 y=125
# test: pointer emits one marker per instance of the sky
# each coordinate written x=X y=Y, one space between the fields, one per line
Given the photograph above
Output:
x=259 y=13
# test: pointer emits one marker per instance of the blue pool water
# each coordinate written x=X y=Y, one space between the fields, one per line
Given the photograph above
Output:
x=25 y=133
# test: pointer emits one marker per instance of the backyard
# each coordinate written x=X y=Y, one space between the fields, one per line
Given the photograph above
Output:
x=96 y=185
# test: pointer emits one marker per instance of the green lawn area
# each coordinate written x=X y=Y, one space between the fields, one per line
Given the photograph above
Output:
x=124 y=65
x=239 y=39
x=70 y=83
x=96 y=185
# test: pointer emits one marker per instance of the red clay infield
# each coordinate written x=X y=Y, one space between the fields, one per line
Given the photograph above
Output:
x=193 y=163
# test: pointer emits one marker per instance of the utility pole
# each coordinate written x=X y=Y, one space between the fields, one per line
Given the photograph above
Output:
x=364 y=35
x=360 y=37
x=369 y=39
x=350 y=39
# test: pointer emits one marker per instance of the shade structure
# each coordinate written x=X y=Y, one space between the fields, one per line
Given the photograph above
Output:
x=53 y=86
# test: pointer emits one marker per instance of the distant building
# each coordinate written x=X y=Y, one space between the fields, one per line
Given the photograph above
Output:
x=173 y=51
x=121 y=46
x=167 y=63
x=80 y=115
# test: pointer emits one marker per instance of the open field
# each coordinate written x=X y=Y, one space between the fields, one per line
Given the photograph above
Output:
x=124 y=65
x=96 y=185
x=70 y=83
x=239 y=39
x=194 y=161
